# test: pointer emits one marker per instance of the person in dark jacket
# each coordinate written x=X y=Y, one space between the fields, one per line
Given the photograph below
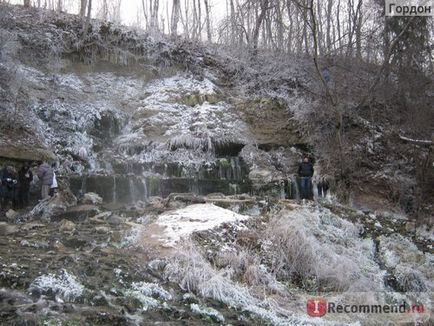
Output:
x=9 y=182
x=25 y=177
x=305 y=172
x=45 y=174
x=2 y=188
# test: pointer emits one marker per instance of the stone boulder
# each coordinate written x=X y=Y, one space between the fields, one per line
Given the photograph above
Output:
x=11 y=215
x=50 y=207
x=7 y=229
x=91 y=198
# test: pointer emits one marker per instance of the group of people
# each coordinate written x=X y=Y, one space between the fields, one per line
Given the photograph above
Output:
x=15 y=185
x=305 y=172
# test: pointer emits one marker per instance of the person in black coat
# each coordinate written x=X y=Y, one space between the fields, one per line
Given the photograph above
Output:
x=8 y=183
x=305 y=172
x=25 y=177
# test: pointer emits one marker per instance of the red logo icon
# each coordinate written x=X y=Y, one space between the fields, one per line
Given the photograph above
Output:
x=316 y=307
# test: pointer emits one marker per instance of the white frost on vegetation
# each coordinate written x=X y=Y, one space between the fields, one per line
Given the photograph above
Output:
x=181 y=118
x=173 y=85
x=181 y=223
x=323 y=249
x=396 y=249
x=412 y=268
x=132 y=237
x=207 y=312
x=64 y=285
x=150 y=295
x=195 y=274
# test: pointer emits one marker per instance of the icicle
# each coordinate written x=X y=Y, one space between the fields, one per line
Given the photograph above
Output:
x=145 y=188
x=132 y=186
x=282 y=189
x=83 y=185
x=115 y=197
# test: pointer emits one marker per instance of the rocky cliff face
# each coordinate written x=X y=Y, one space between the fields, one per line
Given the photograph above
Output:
x=141 y=117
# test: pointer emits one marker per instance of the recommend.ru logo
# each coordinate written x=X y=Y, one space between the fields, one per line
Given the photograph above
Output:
x=318 y=307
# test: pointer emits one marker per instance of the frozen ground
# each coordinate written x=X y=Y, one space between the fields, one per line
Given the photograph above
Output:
x=269 y=266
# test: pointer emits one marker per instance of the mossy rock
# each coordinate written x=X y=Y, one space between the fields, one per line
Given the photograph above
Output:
x=26 y=154
x=198 y=99
x=225 y=163
x=271 y=121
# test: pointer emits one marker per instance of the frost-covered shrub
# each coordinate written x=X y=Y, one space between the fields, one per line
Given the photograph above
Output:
x=207 y=312
x=321 y=251
x=150 y=295
x=63 y=284
x=246 y=267
x=410 y=279
x=194 y=273
x=411 y=267
x=397 y=249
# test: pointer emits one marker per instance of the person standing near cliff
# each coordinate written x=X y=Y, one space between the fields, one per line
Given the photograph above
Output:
x=9 y=182
x=25 y=177
x=45 y=174
x=305 y=172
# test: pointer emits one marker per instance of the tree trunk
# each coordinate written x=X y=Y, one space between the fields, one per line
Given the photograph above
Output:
x=255 y=38
x=279 y=22
x=290 y=34
x=329 y=25
x=26 y=3
x=320 y=30
x=154 y=15
x=350 y=20
x=175 y=17
x=338 y=26
x=145 y=14
x=359 y=30
x=87 y=23
x=208 y=21
x=233 y=22
x=83 y=5
x=199 y=19
x=104 y=10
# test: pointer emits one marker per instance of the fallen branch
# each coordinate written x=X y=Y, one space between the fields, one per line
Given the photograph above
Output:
x=416 y=141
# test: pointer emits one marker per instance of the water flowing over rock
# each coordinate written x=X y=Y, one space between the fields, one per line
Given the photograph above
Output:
x=178 y=197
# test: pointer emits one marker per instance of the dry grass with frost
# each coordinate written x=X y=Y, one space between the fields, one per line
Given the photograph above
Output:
x=194 y=273
x=322 y=251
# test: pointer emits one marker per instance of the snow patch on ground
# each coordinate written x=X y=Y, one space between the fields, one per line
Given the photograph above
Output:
x=181 y=223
